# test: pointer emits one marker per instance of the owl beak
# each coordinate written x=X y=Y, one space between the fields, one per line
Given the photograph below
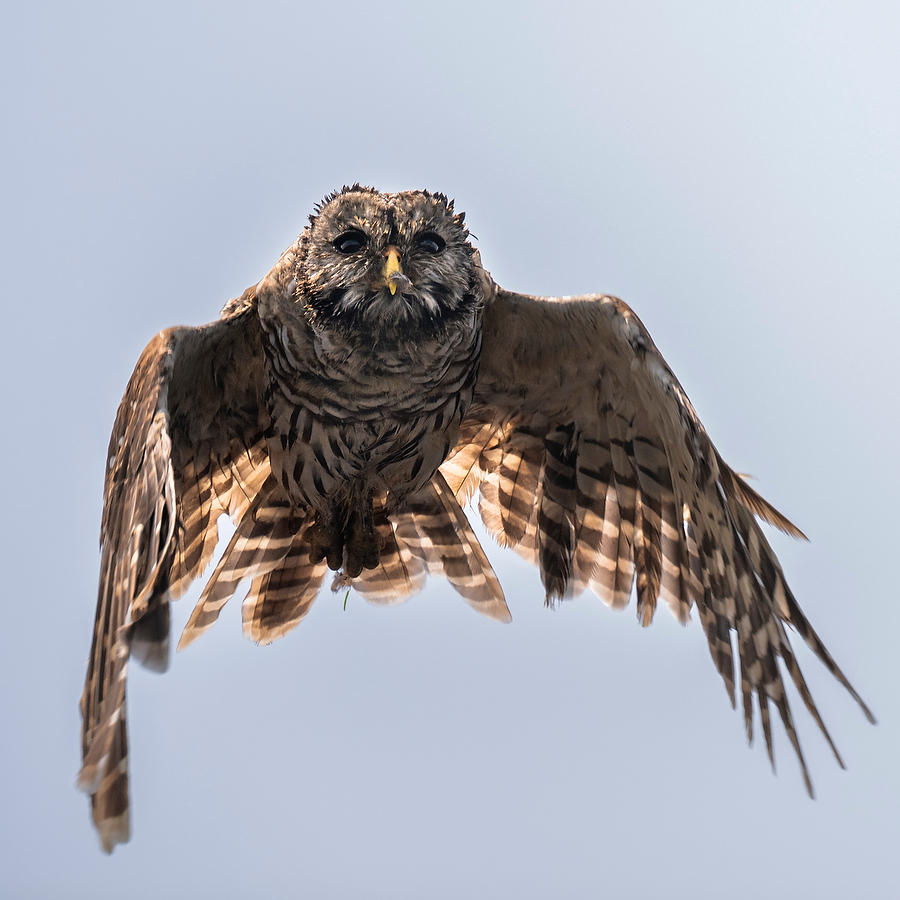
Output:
x=393 y=272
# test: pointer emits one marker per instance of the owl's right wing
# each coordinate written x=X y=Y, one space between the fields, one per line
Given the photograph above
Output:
x=590 y=461
x=187 y=445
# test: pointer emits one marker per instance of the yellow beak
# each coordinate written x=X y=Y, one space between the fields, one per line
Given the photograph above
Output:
x=393 y=272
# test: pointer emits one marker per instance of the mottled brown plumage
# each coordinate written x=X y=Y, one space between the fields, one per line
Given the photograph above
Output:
x=345 y=408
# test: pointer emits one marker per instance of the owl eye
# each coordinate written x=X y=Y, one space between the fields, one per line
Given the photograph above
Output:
x=430 y=242
x=350 y=241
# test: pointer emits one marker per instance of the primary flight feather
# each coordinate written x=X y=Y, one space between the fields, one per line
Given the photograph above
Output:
x=345 y=408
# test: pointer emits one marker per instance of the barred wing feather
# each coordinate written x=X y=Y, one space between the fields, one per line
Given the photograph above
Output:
x=187 y=446
x=590 y=461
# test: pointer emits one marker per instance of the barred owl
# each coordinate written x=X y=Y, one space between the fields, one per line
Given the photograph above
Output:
x=344 y=409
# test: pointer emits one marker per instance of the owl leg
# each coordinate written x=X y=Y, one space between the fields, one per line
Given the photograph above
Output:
x=326 y=541
x=360 y=541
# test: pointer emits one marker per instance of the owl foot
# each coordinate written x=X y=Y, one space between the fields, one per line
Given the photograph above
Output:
x=353 y=548
x=326 y=542
x=360 y=544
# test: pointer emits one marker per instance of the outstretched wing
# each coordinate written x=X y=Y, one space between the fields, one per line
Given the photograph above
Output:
x=591 y=462
x=187 y=446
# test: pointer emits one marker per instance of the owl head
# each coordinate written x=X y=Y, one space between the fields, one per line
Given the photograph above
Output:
x=387 y=266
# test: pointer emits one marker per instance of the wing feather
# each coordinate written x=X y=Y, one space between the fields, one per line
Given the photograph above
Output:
x=557 y=513
x=187 y=445
x=605 y=478
x=627 y=494
x=593 y=471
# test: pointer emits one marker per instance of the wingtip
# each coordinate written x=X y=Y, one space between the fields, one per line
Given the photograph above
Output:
x=113 y=831
x=497 y=610
x=870 y=716
x=188 y=636
x=730 y=693
x=761 y=507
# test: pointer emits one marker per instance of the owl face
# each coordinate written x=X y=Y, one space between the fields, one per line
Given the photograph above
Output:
x=387 y=266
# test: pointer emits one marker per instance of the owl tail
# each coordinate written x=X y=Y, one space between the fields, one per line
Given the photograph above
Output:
x=271 y=545
x=432 y=535
x=268 y=546
x=279 y=599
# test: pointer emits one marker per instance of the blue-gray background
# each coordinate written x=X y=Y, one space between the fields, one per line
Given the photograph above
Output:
x=730 y=170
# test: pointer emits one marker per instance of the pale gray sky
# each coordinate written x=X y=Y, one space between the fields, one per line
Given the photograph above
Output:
x=730 y=171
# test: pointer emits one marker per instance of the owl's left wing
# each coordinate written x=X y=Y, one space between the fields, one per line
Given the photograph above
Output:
x=591 y=462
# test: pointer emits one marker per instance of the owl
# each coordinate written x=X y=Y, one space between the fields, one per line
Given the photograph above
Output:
x=343 y=411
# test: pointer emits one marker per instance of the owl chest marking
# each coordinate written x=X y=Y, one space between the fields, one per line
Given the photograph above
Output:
x=345 y=434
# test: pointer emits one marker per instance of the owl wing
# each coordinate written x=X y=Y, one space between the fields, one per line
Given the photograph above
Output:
x=591 y=462
x=187 y=446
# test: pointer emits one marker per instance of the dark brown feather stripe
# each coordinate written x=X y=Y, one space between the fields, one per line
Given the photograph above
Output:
x=178 y=457
x=399 y=573
x=278 y=600
x=556 y=516
x=477 y=452
x=508 y=498
x=436 y=530
x=655 y=503
x=627 y=498
x=260 y=544
x=593 y=473
x=138 y=523
x=652 y=470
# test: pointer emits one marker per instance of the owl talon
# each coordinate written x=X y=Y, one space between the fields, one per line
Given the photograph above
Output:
x=352 y=566
x=361 y=544
x=326 y=543
x=370 y=558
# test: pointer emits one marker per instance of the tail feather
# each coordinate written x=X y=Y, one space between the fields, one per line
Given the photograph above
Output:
x=259 y=545
x=399 y=574
x=278 y=600
x=437 y=531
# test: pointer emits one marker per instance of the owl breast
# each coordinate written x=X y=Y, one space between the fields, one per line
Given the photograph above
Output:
x=374 y=423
